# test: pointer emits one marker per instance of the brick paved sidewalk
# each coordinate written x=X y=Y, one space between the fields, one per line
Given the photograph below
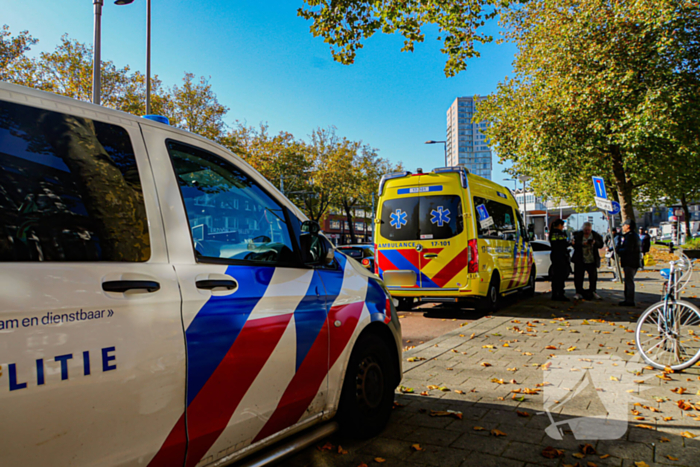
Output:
x=469 y=371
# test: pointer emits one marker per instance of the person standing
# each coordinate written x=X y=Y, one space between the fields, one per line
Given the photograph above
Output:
x=629 y=259
x=586 y=259
x=561 y=264
x=645 y=245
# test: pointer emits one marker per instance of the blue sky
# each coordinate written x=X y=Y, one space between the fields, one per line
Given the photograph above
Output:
x=266 y=67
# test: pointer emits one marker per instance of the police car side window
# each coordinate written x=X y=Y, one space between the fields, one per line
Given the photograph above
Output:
x=500 y=222
x=231 y=218
x=69 y=189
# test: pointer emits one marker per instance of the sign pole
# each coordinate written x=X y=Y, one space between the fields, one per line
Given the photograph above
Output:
x=612 y=240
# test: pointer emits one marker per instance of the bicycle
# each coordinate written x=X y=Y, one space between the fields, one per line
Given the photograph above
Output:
x=671 y=327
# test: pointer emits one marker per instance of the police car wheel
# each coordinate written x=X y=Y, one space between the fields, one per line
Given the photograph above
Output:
x=367 y=396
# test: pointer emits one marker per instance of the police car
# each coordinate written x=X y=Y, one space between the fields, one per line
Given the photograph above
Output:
x=162 y=304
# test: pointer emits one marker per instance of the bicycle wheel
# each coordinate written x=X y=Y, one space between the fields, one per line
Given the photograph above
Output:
x=670 y=339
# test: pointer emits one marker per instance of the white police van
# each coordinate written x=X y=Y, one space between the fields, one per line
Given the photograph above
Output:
x=162 y=304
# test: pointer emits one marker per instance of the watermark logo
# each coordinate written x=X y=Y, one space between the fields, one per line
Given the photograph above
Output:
x=604 y=384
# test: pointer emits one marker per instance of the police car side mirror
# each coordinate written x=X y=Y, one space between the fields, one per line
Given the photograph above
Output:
x=311 y=227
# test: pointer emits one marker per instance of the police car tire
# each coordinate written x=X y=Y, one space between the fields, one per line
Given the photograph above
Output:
x=367 y=397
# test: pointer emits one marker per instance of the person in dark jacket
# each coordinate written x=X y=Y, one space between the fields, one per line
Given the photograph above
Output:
x=629 y=252
x=561 y=264
x=586 y=259
x=645 y=245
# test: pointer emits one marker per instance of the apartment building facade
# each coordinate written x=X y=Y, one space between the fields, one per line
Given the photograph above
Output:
x=466 y=143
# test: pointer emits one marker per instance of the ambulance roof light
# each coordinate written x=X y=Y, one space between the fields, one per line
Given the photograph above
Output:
x=391 y=176
x=463 y=171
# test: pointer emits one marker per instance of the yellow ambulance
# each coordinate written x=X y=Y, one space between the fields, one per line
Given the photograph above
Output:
x=450 y=236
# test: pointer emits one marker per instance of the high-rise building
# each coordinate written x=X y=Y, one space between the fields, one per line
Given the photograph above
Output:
x=466 y=144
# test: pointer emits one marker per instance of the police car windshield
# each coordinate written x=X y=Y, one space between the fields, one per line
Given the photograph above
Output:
x=421 y=218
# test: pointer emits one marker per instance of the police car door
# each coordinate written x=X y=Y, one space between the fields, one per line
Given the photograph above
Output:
x=251 y=311
x=91 y=341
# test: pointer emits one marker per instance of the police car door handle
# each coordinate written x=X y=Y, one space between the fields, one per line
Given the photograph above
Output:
x=217 y=283
x=430 y=255
x=124 y=286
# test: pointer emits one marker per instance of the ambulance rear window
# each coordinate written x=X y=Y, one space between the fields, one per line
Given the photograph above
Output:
x=422 y=218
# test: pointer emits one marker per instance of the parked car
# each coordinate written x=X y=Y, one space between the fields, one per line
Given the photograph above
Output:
x=364 y=254
x=162 y=304
x=449 y=235
x=541 y=250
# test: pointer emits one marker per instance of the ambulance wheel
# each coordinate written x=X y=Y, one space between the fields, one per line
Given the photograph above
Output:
x=529 y=290
x=405 y=303
x=368 y=395
x=491 y=301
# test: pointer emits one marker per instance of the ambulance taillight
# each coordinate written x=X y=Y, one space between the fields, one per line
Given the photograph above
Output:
x=472 y=256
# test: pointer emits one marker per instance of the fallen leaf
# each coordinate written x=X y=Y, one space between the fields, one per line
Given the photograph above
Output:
x=587 y=449
x=326 y=447
x=479 y=428
x=614 y=378
x=432 y=386
x=488 y=346
x=531 y=391
x=550 y=347
x=446 y=413
x=498 y=381
x=552 y=453
x=424 y=393
x=415 y=359
x=571 y=349
x=472 y=336
x=379 y=460
x=668 y=419
x=683 y=405
x=641 y=464
x=405 y=390
x=664 y=440
x=515 y=369
x=578 y=455
x=416 y=447
x=687 y=434
x=497 y=433
x=647 y=427
x=341 y=450
x=605 y=456
x=671 y=458
x=522 y=413
x=679 y=391
x=458 y=391
x=485 y=364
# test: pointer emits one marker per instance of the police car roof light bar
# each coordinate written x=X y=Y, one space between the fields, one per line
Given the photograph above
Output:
x=391 y=176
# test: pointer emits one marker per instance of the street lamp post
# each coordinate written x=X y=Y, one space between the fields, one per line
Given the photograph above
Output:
x=96 y=46
x=438 y=142
x=148 y=49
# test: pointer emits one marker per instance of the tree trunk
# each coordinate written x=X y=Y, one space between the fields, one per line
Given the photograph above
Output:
x=622 y=185
x=348 y=214
x=114 y=203
x=686 y=214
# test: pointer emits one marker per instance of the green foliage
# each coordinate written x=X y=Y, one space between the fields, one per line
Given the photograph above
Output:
x=600 y=88
x=68 y=71
x=692 y=244
x=12 y=50
x=345 y=24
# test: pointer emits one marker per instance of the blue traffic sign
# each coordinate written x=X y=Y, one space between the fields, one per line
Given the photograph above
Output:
x=483 y=213
x=616 y=208
x=599 y=185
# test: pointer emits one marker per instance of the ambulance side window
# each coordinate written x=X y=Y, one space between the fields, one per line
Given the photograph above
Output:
x=69 y=189
x=232 y=219
x=500 y=223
